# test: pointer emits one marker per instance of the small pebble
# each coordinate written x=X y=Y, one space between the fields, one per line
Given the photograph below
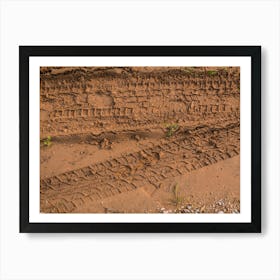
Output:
x=160 y=155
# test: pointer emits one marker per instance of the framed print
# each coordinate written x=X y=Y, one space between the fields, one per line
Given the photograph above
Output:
x=140 y=138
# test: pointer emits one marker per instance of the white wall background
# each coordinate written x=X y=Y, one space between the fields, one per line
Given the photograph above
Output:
x=138 y=256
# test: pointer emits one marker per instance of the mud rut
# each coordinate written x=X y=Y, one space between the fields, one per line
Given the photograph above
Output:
x=91 y=103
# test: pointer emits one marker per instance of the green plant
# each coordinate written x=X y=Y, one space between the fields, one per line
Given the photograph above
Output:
x=47 y=141
x=212 y=73
x=177 y=198
x=171 y=129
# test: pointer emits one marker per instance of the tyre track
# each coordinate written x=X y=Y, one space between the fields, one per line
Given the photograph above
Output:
x=106 y=125
x=151 y=165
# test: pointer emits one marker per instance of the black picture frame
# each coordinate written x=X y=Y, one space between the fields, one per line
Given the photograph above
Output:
x=25 y=52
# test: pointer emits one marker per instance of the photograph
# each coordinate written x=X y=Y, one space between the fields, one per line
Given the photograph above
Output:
x=140 y=140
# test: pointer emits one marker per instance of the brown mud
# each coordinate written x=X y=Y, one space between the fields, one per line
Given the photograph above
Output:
x=140 y=139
